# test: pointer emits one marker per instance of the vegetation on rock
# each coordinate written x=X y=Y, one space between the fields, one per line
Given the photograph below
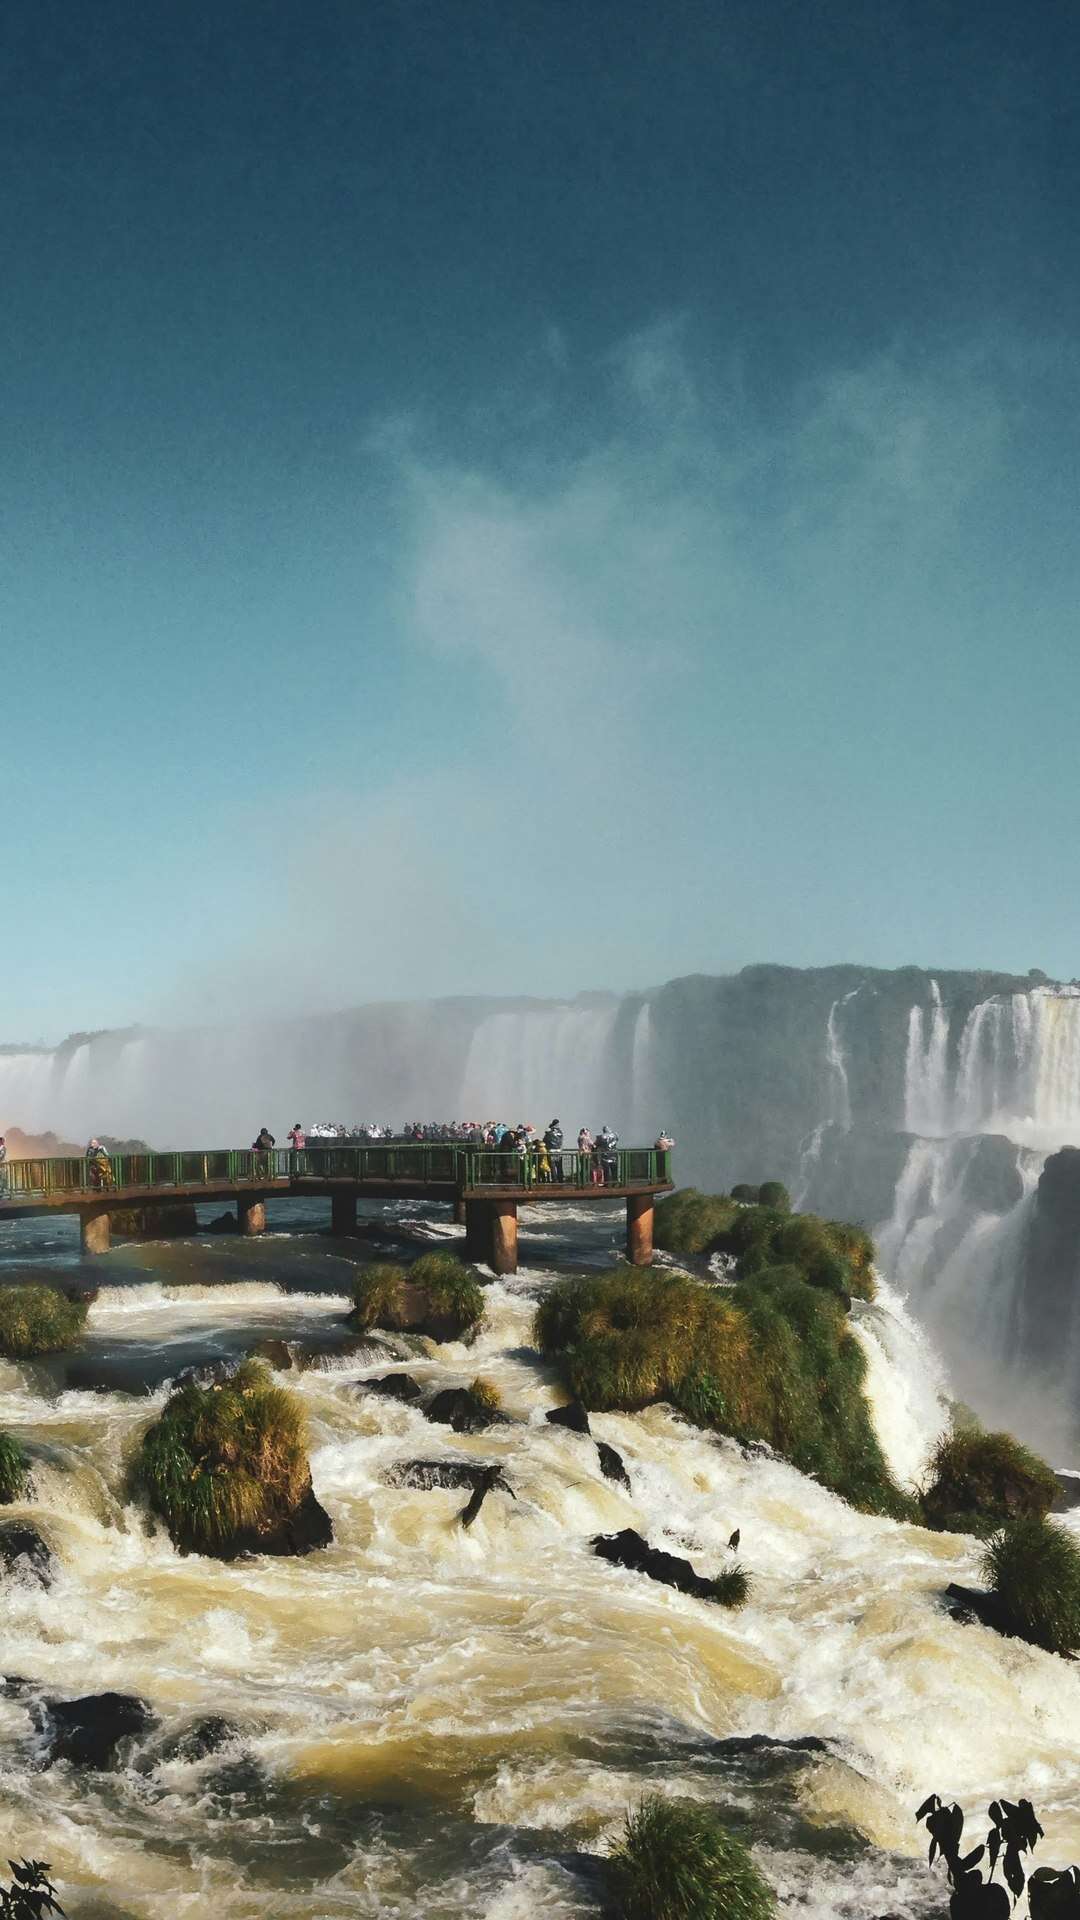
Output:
x=14 y=1469
x=773 y=1359
x=227 y=1463
x=38 y=1320
x=980 y=1481
x=762 y=1232
x=436 y=1290
x=486 y=1394
x=677 y=1862
x=1033 y=1568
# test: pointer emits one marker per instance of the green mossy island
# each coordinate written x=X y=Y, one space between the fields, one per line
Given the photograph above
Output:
x=1033 y=1569
x=38 y=1320
x=755 y=1227
x=978 y=1482
x=437 y=1295
x=771 y=1359
x=226 y=1467
x=677 y=1862
x=14 y=1470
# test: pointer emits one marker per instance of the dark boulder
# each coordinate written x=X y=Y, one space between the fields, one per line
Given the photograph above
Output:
x=394 y=1386
x=490 y=1479
x=453 y=1475
x=87 y=1732
x=458 y=1407
x=276 y=1353
x=198 y=1740
x=223 y=1223
x=611 y=1465
x=24 y=1553
x=740 y=1744
x=1068 y=1492
x=573 y=1415
x=14 y=1687
x=630 y=1549
x=305 y=1529
x=975 y=1603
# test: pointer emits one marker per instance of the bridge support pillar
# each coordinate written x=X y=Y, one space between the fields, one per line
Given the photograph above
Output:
x=343 y=1214
x=478 y=1232
x=639 y=1229
x=251 y=1215
x=504 y=1235
x=95 y=1230
x=458 y=1211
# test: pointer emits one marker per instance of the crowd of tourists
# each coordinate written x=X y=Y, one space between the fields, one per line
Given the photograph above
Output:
x=541 y=1155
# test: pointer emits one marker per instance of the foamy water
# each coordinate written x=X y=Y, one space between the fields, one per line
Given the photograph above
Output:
x=434 y=1723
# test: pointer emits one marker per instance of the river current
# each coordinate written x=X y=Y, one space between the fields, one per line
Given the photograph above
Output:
x=428 y=1722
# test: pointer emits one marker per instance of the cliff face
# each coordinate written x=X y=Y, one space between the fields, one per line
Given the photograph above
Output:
x=923 y=1105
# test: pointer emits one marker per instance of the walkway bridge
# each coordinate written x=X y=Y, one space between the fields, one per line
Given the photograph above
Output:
x=483 y=1188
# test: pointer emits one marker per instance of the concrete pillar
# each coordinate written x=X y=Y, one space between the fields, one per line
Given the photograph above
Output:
x=639 y=1229
x=457 y=1210
x=251 y=1215
x=503 y=1235
x=478 y=1231
x=95 y=1230
x=343 y=1213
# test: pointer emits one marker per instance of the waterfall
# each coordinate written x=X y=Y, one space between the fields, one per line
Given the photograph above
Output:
x=926 y=1093
x=542 y=1062
x=839 y=1093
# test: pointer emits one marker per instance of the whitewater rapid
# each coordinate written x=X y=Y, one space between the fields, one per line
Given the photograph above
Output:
x=440 y=1724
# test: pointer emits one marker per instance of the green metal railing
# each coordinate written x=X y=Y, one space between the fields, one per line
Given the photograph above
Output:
x=449 y=1164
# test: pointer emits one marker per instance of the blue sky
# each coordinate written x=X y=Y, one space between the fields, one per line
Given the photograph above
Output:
x=524 y=497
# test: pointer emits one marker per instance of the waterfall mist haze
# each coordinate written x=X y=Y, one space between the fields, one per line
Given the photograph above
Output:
x=940 y=1110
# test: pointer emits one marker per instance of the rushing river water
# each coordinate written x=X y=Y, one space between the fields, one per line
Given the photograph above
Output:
x=434 y=1723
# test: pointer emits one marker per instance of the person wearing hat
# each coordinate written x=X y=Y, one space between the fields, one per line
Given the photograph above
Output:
x=553 y=1143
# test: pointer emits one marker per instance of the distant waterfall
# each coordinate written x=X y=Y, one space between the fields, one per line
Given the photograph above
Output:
x=926 y=1091
x=540 y=1063
x=839 y=1092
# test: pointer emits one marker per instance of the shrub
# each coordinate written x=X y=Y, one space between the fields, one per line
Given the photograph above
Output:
x=689 y=1221
x=448 y=1292
x=1033 y=1567
x=30 y=1894
x=486 y=1394
x=14 y=1470
x=38 y=1320
x=979 y=1481
x=773 y=1193
x=452 y=1289
x=731 y=1587
x=773 y=1359
x=226 y=1460
x=676 y=1862
x=379 y=1296
x=756 y=1226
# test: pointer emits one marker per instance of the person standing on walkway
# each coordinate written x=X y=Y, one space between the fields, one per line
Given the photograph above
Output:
x=553 y=1143
x=608 y=1143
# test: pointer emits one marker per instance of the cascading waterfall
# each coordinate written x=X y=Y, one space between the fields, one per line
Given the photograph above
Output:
x=540 y=1063
x=926 y=1093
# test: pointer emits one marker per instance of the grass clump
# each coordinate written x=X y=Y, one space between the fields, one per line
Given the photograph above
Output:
x=978 y=1482
x=1033 y=1568
x=677 y=1862
x=731 y=1586
x=486 y=1394
x=436 y=1289
x=773 y=1359
x=227 y=1460
x=38 y=1320
x=689 y=1221
x=756 y=1226
x=14 y=1470
x=379 y=1296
